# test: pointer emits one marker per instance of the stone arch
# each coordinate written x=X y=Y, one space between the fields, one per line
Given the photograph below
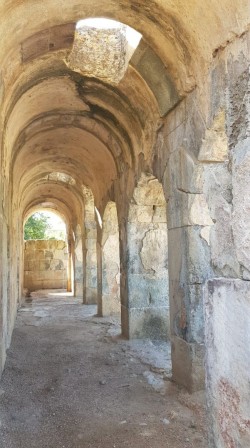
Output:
x=110 y=262
x=147 y=263
x=46 y=264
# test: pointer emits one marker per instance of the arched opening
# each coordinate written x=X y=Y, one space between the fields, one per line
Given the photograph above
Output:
x=46 y=254
x=147 y=240
x=111 y=304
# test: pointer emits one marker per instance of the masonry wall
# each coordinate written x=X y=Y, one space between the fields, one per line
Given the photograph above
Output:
x=45 y=264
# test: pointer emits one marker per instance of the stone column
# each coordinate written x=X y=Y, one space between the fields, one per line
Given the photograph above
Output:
x=79 y=263
x=69 y=274
x=189 y=226
x=147 y=262
x=110 y=262
x=90 y=294
x=91 y=263
x=99 y=271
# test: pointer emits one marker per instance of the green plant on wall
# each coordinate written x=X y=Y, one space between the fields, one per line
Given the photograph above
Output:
x=36 y=227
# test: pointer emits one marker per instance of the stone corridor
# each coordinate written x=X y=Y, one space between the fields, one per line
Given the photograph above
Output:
x=71 y=381
x=130 y=120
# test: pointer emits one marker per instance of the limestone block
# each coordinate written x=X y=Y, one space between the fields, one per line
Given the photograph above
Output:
x=34 y=265
x=227 y=337
x=92 y=257
x=160 y=214
x=90 y=244
x=214 y=147
x=78 y=252
x=218 y=191
x=142 y=213
x=238 y=117
x=78 y=289
x=146 y=291
x=29 y=254
x=183 y=163
x=100 y=53
x=198 y=256
x=194 y=298
x=187 y=320
x=154 y=251
x=56 y=265
x=40 y=244
x=60 y=245
x=111 y=249
x=90 y=295
x=148 y=191
x=217 y=182
x=78 y=273
x=91 y=277
x=194 y=124
x=241 y=202
x=151 y=323
x=91 y=233
x=188 y=364
x=136 y=232
x=50 y=254
x=58 y=254
x=198 y=210
x=111 y=306
x=183 y=173
x=205 y=234
x=43 y=265
x=223 y=253
x=186 y=209
x=189 y=256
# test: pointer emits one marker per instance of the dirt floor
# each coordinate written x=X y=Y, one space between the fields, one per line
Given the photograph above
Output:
x=71 y=381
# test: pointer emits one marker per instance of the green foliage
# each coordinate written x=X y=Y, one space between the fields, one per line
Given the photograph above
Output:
x=36 y=227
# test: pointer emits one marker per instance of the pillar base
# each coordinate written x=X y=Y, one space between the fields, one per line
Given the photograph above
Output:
x=146 y=323
x=188 y=364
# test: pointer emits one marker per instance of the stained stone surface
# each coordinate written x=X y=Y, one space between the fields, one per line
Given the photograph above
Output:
x=227 y=328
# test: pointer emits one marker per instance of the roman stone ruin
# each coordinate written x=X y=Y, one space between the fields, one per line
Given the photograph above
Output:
x=146 y=156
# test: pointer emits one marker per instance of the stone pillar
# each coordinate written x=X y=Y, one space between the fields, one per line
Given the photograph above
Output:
x=90 y=293
x=147 y=262
x=69 y=270
x=78 y=263
x=99 y=271
x=189 y=225
x=110 y=262
x=91 y=263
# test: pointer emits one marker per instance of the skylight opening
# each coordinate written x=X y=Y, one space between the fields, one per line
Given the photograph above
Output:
x=101 y=23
